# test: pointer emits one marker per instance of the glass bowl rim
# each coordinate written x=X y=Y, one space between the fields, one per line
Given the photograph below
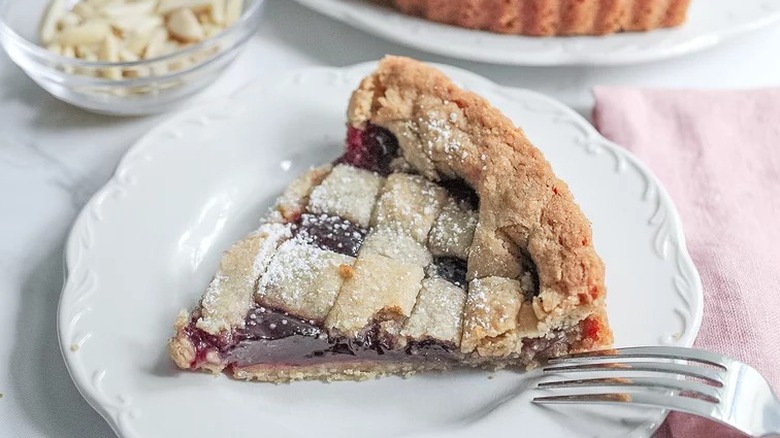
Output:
x=37 y=51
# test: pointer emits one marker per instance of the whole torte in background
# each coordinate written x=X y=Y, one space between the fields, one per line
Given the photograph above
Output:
x=551 y=17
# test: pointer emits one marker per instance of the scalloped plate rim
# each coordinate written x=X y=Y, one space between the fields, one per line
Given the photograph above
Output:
x=358 y=69
x=339 y=10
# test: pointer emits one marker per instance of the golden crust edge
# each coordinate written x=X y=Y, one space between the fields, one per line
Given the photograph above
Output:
x=561 y=249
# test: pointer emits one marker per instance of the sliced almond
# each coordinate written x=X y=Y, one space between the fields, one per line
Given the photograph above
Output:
x=136 y=72
x=114 y=73
x=159 y=70
x=136 y=23
x=119 y=10
x=88 y=33
x=85 y=10
x=85 y=71
x=133 y=30
x=156 y=43
x=204 y=17
x=138 y=38
x=210 y=30
x=170 y=47
x=128 y=56
x=179 y=64
x=149 y=24
x=109 y=49
x=70 y=19
x=218 y=12
x=233 y=11
x=54 y=48
x=55 y=11
x=98 y=3
x=85 y=51
x=136 y=42
x=119 y=92
x=70 y=53
x=184 y=26
x=167 y=6
x=205 y=54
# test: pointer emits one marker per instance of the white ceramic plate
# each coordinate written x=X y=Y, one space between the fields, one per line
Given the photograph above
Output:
x=710 y=22
x=148 y=242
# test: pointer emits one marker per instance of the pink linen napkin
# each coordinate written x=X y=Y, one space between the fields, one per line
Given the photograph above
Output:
x=718 y=155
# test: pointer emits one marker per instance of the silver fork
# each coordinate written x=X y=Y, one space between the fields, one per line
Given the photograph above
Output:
x=682 y=379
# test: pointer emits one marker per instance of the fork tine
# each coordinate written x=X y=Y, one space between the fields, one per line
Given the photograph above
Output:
x=685 y=404
x=689 y=354
x=698 y=372
x=696 y=388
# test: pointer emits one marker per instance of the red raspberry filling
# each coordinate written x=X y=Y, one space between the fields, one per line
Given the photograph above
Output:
x=372 y=148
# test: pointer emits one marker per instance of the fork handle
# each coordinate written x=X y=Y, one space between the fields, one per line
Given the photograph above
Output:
x=772 y=421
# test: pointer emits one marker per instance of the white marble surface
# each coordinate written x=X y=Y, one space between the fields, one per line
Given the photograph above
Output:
x=53 y=157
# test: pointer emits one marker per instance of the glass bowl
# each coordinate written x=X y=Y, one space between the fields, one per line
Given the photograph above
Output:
x=143 y=87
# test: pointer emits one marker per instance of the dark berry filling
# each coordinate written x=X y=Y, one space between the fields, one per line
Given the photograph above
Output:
x=266 y=323
x=555 y=345
x=529 y=266
x=273 y=337
x=461 y=191
x=451 y=269
x=372 y=149
x=204 y=342
x=330 y=233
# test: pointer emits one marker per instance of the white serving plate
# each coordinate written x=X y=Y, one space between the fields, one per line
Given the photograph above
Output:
x=710 y=22
x=148 y=242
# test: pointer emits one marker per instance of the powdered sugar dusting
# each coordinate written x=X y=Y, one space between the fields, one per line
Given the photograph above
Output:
x=478 y=304
x=302 y=279
x=453 y=230
x=273 y=234
x=411 y=203
x=491 y=310
x=437 y=313
x=229 y=294
x=396 y=244
x=330 y=233
x=440 y=136
x=213 y=291
x=293 y=200
x=347 y=192
x=294 y=260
